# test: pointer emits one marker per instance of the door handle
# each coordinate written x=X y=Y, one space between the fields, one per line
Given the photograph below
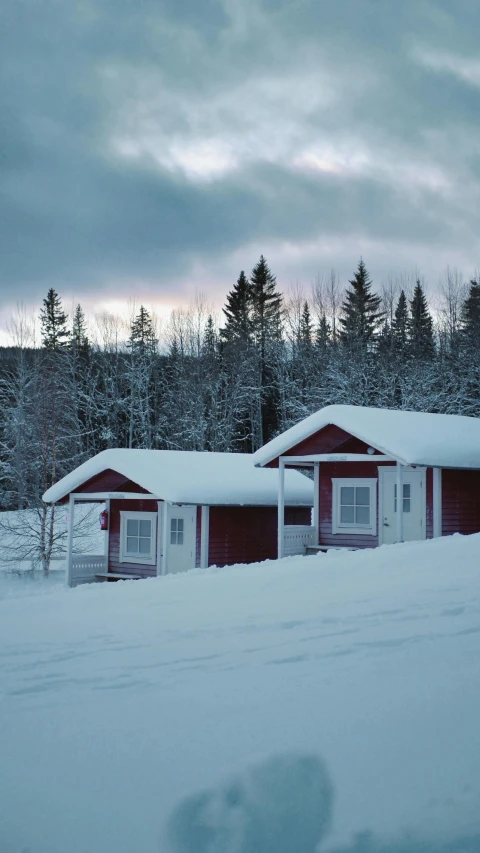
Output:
x=386 y=524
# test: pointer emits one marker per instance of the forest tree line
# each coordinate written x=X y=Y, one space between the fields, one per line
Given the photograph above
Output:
x=228 y=386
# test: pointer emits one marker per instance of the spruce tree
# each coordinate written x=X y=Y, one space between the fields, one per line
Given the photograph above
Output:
x=142 y=338
x=323 y=334
x=54 y=323
x=210 y=338
x=306 y=326
x=361 y=314
x=79 y=338
x=238 y=311
x=421 y=342
x=470 y=317
x=267 y=305
x=400 y=325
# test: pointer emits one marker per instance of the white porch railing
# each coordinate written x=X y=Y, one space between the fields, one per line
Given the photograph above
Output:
x=297 y=537
x=85 y=567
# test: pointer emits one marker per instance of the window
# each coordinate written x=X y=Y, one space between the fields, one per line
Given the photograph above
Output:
x=354 y=506
x=176 y=531
x=406 y=497
x=138 y=537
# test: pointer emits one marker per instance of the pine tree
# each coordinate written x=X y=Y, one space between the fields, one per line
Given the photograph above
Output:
x=142 y=334
x=470 y=317
x=210 y=338
x=306 y=327
x=238 y=310
x=267 y=305
x=361 y=314
x=323 y=334
x=79 y=338
x=400 y=324
x=53 y=321
x=421 y=342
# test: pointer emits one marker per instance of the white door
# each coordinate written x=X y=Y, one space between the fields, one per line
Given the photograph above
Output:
x=181 y=538
x=414 y=505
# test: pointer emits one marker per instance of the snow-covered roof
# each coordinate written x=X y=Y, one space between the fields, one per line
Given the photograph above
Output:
x=182 y=476
x=412 y=438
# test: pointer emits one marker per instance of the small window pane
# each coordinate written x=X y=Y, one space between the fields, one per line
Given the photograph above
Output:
x=347 y=514
x=406 y=490
x=180 y=524
x=347 y=496
x=144 y=545
x=406 y=504
x=363 y=496
x=180 y=537
x=132 y=545
x=174 y=524
x=362 y=515
x=132 y=527
x=173 y=537
x=145 y=528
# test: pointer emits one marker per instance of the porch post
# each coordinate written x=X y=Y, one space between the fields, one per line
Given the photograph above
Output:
x=71 y=510
x=204 y=537
x=159 y=538
x=399 y=502
x=316 y=502
x=106 y=545
x=281 y=508
x=437 y=502
x=166 y=536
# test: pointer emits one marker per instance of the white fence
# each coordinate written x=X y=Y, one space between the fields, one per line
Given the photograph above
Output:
x=296 y=538
x=85 y=567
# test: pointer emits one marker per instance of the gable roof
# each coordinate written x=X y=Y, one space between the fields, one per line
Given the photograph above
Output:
x=412 y=438
x=183 y=476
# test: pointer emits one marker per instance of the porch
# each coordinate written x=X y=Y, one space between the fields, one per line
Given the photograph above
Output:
x=361 y=492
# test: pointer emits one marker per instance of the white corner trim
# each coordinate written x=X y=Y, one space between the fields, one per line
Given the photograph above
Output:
x=135 y=559
x=437 y=502
x=354 y=529
x=204 y=536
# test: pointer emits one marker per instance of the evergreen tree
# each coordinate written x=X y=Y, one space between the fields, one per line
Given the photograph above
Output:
x=361 y=314
x=400 y=324
x=142 y=334
x=267 y=305
x=323 y=334
x=421 y=342
x=53 y=321
x=306 y=326
x=470 y=317
x=79 y=338
x=238 y=310
x=210 y=338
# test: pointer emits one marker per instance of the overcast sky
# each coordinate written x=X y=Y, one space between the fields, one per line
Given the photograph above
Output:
x=152 y=147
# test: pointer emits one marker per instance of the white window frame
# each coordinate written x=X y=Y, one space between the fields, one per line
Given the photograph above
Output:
x=149 y=560
x=356 y=529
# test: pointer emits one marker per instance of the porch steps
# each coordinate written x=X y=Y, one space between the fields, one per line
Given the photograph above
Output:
x=315 y=549
x=114 y=576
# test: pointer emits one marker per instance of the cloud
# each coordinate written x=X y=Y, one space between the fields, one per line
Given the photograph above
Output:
x=153 y=145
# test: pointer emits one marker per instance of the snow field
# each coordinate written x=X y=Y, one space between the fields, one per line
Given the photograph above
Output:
x=121 y=702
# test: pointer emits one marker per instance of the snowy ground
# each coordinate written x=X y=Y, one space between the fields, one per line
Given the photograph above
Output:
x=119 y=701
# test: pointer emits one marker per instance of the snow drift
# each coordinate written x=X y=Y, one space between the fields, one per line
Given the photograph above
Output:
x=140 y=714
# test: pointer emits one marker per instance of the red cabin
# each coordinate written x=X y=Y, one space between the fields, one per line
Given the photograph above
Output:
x=363 y=458
x=169 y=511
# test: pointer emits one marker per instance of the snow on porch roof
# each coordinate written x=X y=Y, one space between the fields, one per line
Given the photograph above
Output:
x=412 y=438
x=183 y=476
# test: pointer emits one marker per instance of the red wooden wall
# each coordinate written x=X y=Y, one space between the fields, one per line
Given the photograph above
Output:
x=460 y=501
x=245 y=534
